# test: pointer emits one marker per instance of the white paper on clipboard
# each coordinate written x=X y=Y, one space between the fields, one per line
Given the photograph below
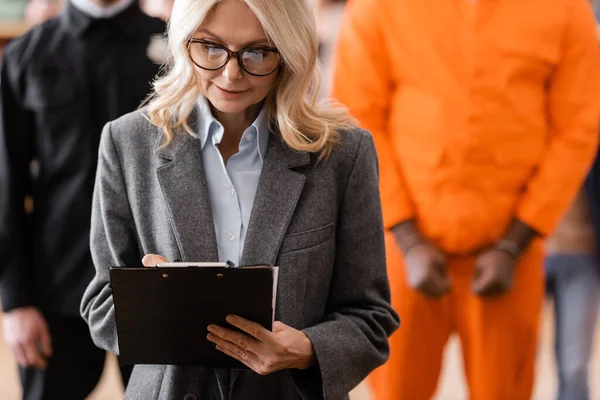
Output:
x=275 y=280
x=193 y=264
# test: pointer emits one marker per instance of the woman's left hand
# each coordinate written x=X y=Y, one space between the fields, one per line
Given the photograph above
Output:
x=261 y=350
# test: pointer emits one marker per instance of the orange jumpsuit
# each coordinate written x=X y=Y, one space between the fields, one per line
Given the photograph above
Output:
x=482 y=111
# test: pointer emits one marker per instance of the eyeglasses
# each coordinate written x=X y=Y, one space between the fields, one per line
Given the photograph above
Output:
x=257 y=61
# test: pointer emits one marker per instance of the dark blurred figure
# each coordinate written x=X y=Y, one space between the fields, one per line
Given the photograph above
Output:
x=573 y=279
x=60 y=83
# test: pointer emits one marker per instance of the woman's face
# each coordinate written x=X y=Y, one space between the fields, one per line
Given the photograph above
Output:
x=230 y=89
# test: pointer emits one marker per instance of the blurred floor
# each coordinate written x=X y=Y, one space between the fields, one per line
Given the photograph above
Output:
x=451 y=385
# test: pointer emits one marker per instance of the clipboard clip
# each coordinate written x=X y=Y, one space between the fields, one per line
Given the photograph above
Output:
x=230 y=264
x=179 y=263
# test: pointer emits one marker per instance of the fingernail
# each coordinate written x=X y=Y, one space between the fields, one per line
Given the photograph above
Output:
x=211 y=328
x=230 y=318
x=210 y=337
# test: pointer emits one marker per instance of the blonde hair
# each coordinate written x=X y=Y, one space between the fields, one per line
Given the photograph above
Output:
x=305 y=124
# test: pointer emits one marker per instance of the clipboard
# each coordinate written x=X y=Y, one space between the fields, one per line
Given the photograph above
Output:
x=162 y=313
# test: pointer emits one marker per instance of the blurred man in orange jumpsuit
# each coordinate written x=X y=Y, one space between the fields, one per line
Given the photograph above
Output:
x=485 y=114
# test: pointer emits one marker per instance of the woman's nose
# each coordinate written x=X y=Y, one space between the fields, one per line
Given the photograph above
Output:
x=232 y=70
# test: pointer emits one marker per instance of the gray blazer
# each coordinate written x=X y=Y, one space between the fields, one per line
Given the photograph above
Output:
x=320 y=222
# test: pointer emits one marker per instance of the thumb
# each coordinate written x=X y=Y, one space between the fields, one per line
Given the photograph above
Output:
x=479 y=282
x=279 y=327
x=46 y=343
x=445 y=283
x=150 y=260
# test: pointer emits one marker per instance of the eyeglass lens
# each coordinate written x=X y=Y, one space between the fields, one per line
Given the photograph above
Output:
x=255 y=61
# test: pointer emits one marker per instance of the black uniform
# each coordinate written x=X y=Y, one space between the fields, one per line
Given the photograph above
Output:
x=60 y=83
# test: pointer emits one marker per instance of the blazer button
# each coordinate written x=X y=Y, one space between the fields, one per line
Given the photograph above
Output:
x=190 y=396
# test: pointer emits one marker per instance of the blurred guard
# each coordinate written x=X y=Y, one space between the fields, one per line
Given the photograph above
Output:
x=60 y=83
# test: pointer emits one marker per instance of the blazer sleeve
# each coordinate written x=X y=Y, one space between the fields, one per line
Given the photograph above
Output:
x=363 y=81
x=353 y=339
x=113 y=242
x=16 y=154
x=574 y=111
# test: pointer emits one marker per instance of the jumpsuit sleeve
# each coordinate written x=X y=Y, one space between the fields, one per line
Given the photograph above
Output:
x=363 y=82
x=574 y=112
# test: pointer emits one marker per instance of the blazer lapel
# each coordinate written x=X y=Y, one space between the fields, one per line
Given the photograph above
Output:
x=278 y=192
x=183 y=183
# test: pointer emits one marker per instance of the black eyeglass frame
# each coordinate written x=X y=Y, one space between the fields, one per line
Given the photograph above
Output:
x=230 y=53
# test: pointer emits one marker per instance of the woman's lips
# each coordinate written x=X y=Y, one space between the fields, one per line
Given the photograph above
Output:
x=230 y=94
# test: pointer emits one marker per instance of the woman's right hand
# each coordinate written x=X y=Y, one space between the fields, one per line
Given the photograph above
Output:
x=150 y=260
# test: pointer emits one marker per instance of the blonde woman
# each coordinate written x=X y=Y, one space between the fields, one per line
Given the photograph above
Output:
x=233 y=160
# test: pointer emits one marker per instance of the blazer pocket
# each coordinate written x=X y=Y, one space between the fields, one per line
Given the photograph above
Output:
x=306 y=240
